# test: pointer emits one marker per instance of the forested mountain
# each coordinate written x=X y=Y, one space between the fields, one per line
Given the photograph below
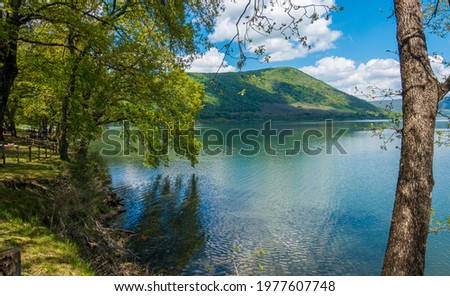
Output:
x=278 y=94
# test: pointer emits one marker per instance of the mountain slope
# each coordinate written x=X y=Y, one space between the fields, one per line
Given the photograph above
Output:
x=277 y=94
x=395 y=105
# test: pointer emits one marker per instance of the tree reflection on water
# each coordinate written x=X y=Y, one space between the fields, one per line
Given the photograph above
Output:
x=170 y=231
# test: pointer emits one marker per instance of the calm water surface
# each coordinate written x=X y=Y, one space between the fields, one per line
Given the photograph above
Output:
x=312 y=215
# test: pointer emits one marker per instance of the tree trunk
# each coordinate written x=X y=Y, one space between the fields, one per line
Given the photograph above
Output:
x=63 y=140
x=43 y=130
x=10 y=118
x=12 y=125
x=8 y=57
x=50 y=129
x=405 y=254
x=83 y=148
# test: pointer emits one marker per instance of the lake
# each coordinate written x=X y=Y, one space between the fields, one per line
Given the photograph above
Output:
x=301 y=214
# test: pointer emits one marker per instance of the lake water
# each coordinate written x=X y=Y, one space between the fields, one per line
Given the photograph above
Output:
x=326 y=214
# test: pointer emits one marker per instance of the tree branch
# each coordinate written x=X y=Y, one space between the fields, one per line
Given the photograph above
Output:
x=27 y=18
x=254 y=20
x=42 y=43
x=444 y=88
x=110 y=121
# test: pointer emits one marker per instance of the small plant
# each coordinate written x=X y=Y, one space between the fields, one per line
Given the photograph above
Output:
x=437 y=226
x=244 y=263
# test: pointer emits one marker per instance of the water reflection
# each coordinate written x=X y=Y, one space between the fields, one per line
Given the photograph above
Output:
x=313 y=215
x=169 y=230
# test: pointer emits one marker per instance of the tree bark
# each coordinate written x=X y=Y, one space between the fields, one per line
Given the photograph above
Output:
x=63 y=139
x=64 y=122
x=13 y=129
x=405 y=253
x=12 y=122
x=8 y=57
x=43 y=127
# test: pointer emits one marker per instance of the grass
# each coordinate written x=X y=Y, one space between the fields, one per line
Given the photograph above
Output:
x=43 y=169
x=43 y=253
x=43 y=164
x=53 y=211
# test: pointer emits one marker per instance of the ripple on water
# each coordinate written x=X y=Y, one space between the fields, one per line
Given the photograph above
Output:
x=322 y=215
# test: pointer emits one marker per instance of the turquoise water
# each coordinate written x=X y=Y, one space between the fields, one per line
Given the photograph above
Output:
x=326 y=214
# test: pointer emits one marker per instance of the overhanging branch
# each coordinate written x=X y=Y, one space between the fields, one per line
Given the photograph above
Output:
x=42 y=43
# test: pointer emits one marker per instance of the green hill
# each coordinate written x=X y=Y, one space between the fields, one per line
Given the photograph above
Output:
x=278 y=94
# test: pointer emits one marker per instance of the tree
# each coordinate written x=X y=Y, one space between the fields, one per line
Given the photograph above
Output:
x=134 y=46
x=9 y=31
x=421 y=93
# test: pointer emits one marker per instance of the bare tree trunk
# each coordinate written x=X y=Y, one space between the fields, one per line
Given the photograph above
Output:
x=405 y=254
x=8 y=57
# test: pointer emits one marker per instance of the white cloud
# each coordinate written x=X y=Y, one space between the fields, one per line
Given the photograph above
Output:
x=441 y=70
x=383 y=74
x=210 y=62
x=319 y=36
x=345 y=75
x=331 y=69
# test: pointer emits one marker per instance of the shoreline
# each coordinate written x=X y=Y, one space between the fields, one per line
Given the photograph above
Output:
x=75 y=208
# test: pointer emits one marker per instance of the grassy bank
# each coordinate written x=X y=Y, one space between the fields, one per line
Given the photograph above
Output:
x=57 y=214
x=43 y=253
x=21 y=226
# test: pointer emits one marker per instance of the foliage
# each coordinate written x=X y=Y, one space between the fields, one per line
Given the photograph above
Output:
x=243 y=262
x=387 y=132
x=436 y=17
x=437 y=226
x=255 y=21
x=87 y=64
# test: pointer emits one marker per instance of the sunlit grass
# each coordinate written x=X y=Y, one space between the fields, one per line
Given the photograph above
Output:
x=42 y=252
x=44 y=162
x=44 y=168
x=45 y=196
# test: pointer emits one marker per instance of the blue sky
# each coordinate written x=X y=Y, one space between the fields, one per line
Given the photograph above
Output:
x=353 y=49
